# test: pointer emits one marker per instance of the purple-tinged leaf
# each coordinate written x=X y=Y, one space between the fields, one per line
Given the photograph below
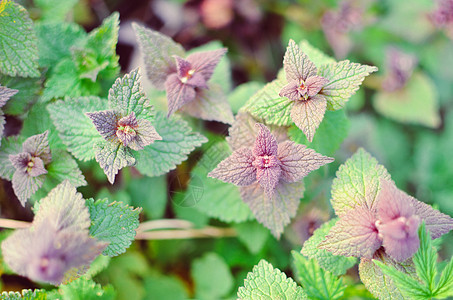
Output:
x=158 y=51
x=296 y=160
x=276 y=212
x=400 y=66
x=38 y=146
x=314 y=84
x=393 y=203
x=105 y=122
x=183 y=67
x=27 y=164
x=24 y=185
x=355 y=234
x=379 y=284
x=357 y=183
x=243 y=132
x=10 y=146
x=136 y=134
x=297 y=65
x=268 y=175
x=211 y=105
x=291 y=91
x=178 y=93
x=126 y=96
x=65 y=208
x=5 y=94
x=345 y=79
x=126 y=129
x=265 y=142
x=237 y=168
x=112 y=157
x=188 y=75
x=204 y=62
x=308 y=114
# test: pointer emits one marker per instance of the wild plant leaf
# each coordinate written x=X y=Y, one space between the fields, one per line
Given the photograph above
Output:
x=336 y=264
x=357 y=182
x=241 y=94
x=115 y=223
x=75 y=129
x=84 y=288
x=10 y=146
x=314 y=54
x=425 y=259
x=64 y=167
x=104 y=38
x=445 y=285
x=55 y=40
x=253 y=235
x=112 y=157
x=380 y=285
x=177 y=142
x=265 y=282
x=28 y=92
x=415 y=103
x=344 y=80
x=24 y=295
x=268 y=105
x=329 y=136
x=157 y=50
x=54 y=10
x=307 y=115
x=217 y=199
x=316 y=282
x=212 y=277
x=19 y=52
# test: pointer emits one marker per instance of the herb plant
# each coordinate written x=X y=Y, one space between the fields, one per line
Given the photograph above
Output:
x=205 y=171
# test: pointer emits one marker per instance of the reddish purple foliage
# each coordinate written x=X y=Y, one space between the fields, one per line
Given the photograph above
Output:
x=400 y=66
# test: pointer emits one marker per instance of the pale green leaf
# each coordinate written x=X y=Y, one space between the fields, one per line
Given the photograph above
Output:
x=316 y=282
x=345 y=79
x=103 y=39
x=415 y=103
x=329 y=136
x=98 y=265
x=164 y=287
x=265 y=282
x=75 y=129
x=253 y=235
x=445 y=285
x=9 y=146
x=24 y=295
x=86 y=289
x=217 y=199
x=64 y=167
x=55 y=9
x=315 y=55
x=380 y=285
x=212 y=277
x=112 y=157
x=18 y=49
x=150 y=193
x=425 y=259
x=267 y=104
x=177 y=142
x=115 y=223
x=241 y=94
x=336 y=264
x=357 y=182
x=158 y=51
x=28 y=90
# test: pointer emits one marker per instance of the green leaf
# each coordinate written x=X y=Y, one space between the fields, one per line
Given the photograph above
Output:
x=357 y=182
x=154 y=203
x=104 y=38
x=75 y=129
x=9 y=146
x=127 y=96
x=55 y=9
x=240 y=95
x=19 y=52
x=28 y=90
x=415 y=103
x=317 y=283
x=315 y=55
x=253 y=235
x=64 y=167
x=98 y=265
x=212 y=277
x=55 y=40
x=381 y=285
x=445 y=285
x=410 y=287
x=265 y=282
x=158 y=51
x=113 y=222
x=336 y=264
x=329 y=136
x=218 y=199
x=177 y=142
x=112 y=157
x=164 y=287
x=24 y=295
x=86 y=289
x=425 y=259
x=266 y=104
x=344 y=80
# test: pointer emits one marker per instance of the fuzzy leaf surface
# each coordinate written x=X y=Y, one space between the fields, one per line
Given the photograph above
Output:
x=112 y=157
x=177 y=142
x=115 y=223
x=18 y=49
x=84 y=288
x=344 y=80
x=9 y=146
x=357 y=182
x=75 y=129
x=265 y=282
x=24 y=295
x=317 y=283
x=314 y=54
x=336 y=264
